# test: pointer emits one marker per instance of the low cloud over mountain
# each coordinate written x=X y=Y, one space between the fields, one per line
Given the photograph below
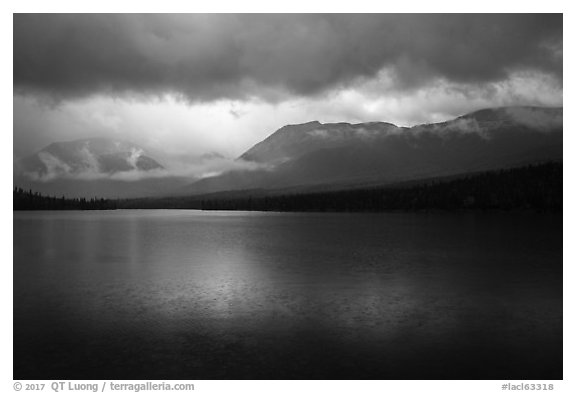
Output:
x=88 y=159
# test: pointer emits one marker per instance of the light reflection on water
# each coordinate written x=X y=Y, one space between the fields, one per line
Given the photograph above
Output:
x=260 y=283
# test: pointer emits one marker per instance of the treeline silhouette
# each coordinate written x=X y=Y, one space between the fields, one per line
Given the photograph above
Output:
x=537 y=187
x=29 y=200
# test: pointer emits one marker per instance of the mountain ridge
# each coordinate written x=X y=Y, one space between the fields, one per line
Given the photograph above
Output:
x=314 y=153
x=97 y=155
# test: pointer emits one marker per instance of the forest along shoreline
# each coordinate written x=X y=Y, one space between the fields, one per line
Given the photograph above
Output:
x=533 y=187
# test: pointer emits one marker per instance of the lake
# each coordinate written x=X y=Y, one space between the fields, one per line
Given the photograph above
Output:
x=177 y=294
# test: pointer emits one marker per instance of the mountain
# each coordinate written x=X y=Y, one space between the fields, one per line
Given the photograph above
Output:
x=345 y=155
x=294 y=141
x=86 y=157
x=96 y=167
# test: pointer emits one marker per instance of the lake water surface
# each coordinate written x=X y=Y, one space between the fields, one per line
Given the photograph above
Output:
x=229 y=295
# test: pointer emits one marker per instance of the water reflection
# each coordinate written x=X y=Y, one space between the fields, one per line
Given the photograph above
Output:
x=193 y=294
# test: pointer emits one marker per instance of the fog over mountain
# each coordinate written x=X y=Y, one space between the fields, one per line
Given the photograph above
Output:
x=105 y=167
x=87 y=159
x=312 y=154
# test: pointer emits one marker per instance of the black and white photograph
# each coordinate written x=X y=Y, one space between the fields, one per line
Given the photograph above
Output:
x=287 y=196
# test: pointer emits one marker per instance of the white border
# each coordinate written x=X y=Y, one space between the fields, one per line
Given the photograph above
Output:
x=6 y=382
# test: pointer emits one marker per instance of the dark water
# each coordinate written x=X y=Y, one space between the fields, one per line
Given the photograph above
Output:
x=219 y=295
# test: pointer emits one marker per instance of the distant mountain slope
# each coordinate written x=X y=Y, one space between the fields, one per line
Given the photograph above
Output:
x=313 y=154
x=86 y=157
x=96 y=167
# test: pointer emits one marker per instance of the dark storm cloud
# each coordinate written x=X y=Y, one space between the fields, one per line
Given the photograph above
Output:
x=207 y=57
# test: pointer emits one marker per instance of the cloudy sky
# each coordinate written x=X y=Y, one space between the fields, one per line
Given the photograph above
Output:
x=186 y=85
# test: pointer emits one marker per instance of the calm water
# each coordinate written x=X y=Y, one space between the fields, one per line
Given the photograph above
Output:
x=212 y=295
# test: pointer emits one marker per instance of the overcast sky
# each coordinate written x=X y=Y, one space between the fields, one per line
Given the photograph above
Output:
x=186 y=85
